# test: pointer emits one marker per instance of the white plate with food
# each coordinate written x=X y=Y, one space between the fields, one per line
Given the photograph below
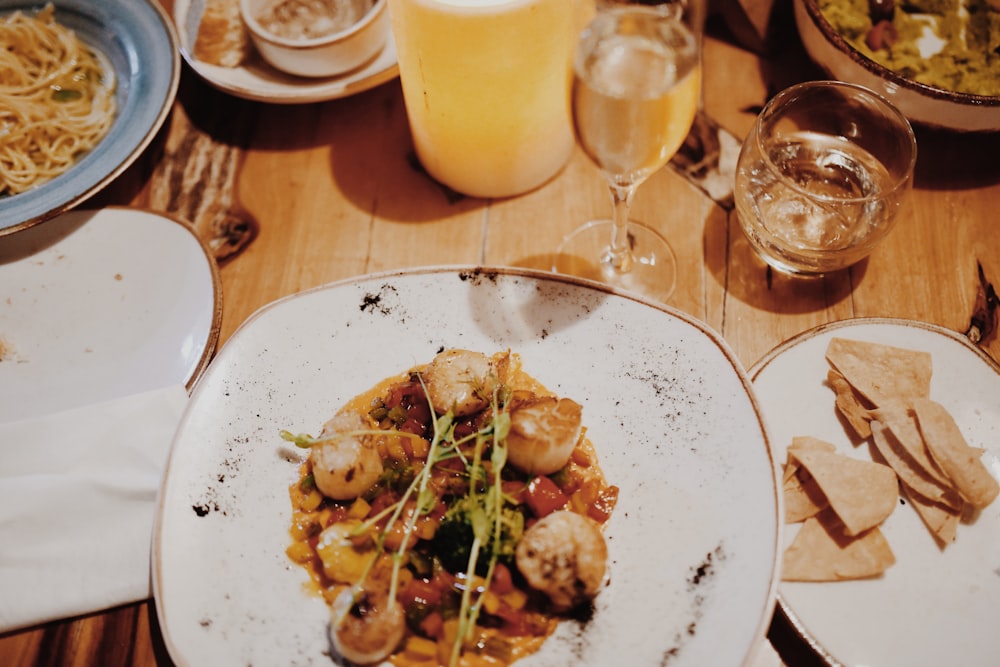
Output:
x=233 y=66
x=135 y=42
x=935 y=603
x=98 y=305
x=692 y=540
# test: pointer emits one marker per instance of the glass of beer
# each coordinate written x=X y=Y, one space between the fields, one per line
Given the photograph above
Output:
x=635 y=92
x=822 y=176
x=486 y=88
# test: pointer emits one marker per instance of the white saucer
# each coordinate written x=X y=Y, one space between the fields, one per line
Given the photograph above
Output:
x=258 y=81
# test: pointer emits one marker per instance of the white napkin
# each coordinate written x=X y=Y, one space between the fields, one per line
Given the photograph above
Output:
x=77 y=502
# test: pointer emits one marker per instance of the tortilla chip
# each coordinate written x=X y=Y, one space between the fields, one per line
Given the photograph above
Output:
x=909 y=471
x=941 y=520
x=803 y=442
x=821 y=554
x=862 y=493
x=881 y=373
x=955 y=457
x=803 y=499
x=849 y=404
x=900 y=421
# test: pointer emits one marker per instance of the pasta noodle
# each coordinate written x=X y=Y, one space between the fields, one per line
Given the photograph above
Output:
x=57 y=99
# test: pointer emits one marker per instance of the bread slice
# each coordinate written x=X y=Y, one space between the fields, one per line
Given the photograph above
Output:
x=222 y=38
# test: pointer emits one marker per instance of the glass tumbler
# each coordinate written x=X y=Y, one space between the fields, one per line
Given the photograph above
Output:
x=822 y=176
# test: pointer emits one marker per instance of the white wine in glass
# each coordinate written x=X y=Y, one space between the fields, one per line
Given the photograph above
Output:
x=635 y=92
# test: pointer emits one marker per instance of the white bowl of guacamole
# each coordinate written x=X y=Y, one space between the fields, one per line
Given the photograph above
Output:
x=938 y=61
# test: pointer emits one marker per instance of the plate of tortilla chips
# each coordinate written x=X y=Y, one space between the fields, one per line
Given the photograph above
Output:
x=887 y=437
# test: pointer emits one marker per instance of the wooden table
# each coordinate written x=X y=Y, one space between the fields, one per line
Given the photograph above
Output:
x=329 y=191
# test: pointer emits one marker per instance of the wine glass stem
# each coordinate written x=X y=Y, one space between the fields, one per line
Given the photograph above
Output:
x=619 y=255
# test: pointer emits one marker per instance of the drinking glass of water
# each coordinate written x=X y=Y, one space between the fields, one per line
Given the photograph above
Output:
x=822 y=176
x=635 y=92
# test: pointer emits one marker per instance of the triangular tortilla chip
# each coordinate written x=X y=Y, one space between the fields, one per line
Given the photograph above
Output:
x=862 y=493
x=942 y=521
x=909 y=472
x=881 y=373
x=849 y=404
x=900 y=421
x=952 y=453
x=803 y=442
x=803 y=499
x=819 y=554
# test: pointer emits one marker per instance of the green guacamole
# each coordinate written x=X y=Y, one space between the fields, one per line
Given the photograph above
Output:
x=968 y=61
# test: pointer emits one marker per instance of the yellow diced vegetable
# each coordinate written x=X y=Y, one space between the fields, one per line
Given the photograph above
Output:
x=420 y=447
x=311 y=500
x=420 y=648
x=426 y=527
x=303 y=527
x=299 y=552
x=516 y=598
x=491 y=602
x=359 y=509
x=394 y=448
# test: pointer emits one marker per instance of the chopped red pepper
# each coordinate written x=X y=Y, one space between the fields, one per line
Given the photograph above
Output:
x=600 y=510
x=463 y=429
x=420 y=411
x=502 y=581
x=544 y=497
x=420 y=591
x=413 y=426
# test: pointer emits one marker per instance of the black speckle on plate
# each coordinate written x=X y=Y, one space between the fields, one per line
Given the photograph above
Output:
x=477 y=276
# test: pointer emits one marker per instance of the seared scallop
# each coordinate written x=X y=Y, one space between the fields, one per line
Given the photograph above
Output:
x=366 y=627
x=461 y=381
x=543 y=433
x=346 y=463
x=564 y=556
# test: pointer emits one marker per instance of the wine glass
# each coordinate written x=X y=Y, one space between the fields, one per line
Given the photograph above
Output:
x=636 y=88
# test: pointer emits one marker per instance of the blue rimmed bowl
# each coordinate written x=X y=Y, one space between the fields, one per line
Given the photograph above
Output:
x=139 y=41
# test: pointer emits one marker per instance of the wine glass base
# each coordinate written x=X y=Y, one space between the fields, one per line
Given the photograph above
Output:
x=585 y=252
